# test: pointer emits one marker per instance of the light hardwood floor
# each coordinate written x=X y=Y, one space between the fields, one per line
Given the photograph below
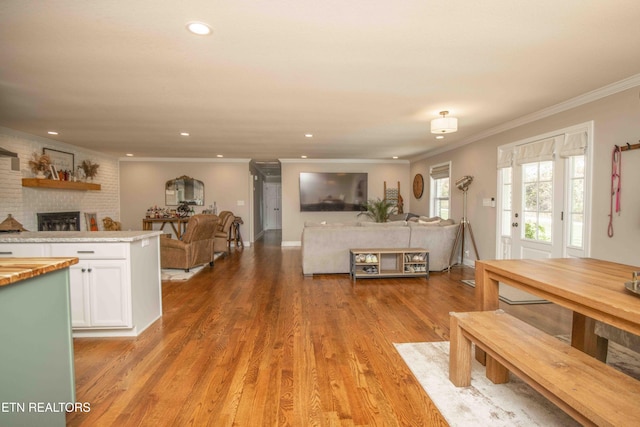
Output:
x=253 y=342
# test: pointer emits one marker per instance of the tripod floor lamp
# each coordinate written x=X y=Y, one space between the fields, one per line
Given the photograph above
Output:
x=463 y=184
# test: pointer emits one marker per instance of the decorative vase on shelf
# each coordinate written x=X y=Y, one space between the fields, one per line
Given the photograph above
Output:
x=90 y=169
x=38 y=164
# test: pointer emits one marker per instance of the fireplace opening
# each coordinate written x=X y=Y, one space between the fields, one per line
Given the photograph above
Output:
x=59 y=221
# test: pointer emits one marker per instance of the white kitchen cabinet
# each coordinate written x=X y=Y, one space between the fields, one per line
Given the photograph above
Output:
x=80 y=310
x=115 y=287
x=100 y=294
x=10 y=250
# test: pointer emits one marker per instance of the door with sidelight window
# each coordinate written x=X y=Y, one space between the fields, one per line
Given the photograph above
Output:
x=543 y=197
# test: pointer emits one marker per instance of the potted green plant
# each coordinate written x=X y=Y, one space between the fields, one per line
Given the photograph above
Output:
x=39 y=164
x=379 y=209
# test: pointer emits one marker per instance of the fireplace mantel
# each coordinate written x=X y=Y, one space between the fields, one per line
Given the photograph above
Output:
x=61 y=185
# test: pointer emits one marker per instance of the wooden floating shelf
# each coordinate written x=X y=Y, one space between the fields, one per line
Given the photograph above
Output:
x=61 y=185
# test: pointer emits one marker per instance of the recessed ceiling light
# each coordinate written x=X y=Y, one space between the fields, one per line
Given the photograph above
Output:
x=308 y=135
x=52 y=132
x=219 y=155
x=184 y=133
x=303 y=157
x=394 y=157
x=129 y=155
x=199 y=28
x=440 y=137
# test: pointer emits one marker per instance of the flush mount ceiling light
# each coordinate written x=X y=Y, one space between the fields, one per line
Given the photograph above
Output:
x=444 y=124
x=199 y=28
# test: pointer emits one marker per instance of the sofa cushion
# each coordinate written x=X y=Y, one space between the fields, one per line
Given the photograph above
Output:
x=383 y=224
x=330 y=224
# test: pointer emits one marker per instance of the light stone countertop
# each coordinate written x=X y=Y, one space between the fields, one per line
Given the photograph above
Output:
x=76 y=236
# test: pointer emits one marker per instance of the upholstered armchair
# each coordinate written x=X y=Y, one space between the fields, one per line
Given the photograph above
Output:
x=221 y=239
x=194 y=248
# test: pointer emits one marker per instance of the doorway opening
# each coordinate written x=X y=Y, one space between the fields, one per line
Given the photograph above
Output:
x=267 y=190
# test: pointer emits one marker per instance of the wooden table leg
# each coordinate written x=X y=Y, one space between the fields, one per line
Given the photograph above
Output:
x=459 y=355
x=585 y=339
x=174 y=229
x=487 y=294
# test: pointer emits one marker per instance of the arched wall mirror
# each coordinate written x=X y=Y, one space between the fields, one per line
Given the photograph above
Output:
x=184 y=190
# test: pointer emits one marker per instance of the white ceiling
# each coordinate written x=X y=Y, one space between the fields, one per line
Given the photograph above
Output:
x=365 y=77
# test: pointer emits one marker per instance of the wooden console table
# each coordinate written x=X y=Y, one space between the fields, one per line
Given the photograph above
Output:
x=179 y=225
x=410 y=262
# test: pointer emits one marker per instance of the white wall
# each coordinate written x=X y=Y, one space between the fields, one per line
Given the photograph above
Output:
x=24 y=202
x=378 y=172
x=226 y=181
x=616 y=122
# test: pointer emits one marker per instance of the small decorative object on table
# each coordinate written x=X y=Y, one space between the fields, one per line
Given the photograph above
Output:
x=10 y=225
x=91 y=220
x=634 y=284
x=184 y=210
x=89 y=168
x=111 y=225
x=39 y=164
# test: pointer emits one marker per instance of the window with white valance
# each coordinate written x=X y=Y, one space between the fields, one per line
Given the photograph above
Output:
x=544 y=194
x=574 y=144
x=440 y=196
x=538 y=151
x=440 y=171
x=505 y=157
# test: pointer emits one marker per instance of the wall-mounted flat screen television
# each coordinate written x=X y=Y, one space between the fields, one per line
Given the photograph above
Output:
x=332 y=191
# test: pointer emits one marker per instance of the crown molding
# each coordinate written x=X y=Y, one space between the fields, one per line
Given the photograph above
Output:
x=569 y=104
x=342 y=161
x=183 y=159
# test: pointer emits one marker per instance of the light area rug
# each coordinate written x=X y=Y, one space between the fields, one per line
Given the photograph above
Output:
x=511 y=295
x=175 y=274
x=487 y=404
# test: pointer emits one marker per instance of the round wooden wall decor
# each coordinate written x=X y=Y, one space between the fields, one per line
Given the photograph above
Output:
x=418 y=186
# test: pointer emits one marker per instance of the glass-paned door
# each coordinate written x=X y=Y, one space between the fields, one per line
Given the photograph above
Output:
x=544 y=200
x=536 y=210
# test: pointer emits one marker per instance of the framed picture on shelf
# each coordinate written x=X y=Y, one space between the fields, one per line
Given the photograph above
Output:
x=91 y=221
x=60 y=159
x=54 y=172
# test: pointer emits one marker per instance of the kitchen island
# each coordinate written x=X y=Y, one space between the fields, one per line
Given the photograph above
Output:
x=115 y=287
x=37 y=384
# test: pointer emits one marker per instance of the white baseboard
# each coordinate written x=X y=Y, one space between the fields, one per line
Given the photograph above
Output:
x=291 y=243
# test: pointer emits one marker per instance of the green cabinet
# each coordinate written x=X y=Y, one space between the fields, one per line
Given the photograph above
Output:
x=37 y=381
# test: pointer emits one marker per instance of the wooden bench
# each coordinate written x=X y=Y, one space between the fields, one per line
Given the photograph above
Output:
x=585 y=388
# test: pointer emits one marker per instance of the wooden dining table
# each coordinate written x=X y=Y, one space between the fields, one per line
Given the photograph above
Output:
x=179 y=225
x=593 y=289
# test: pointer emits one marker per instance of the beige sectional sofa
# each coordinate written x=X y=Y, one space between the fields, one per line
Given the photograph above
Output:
x=325 y=247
